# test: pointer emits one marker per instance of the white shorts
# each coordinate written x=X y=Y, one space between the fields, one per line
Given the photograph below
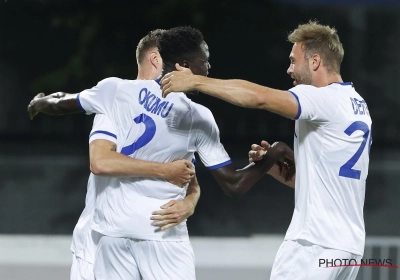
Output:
x=81 y=269
x=132 y=259
x=302 y=260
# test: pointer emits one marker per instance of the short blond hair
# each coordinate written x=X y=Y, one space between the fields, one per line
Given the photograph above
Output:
x=147 y=43
x=319 y=39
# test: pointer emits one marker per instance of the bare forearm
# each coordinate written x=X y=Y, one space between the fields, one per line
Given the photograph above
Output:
x=237 y=182
x=237 y=92
x=192 y=194
x=117 y=165
x=250 y=95
x=246 y=179
x=59 y=103
x=275 y=172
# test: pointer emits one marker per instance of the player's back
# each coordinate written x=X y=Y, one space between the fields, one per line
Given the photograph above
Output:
x=152 y=128
x=149 y=128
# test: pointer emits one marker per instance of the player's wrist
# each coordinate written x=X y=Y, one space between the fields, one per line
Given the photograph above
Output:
x=39 y=105
x=162 y=170
x=196 y=82
x=191 y=207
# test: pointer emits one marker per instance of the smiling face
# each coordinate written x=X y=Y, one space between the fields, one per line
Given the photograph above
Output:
x=199 y=64
x=299 y=66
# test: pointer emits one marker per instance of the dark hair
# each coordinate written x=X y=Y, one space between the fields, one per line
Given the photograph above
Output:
x=179 y=43
x=148 y=42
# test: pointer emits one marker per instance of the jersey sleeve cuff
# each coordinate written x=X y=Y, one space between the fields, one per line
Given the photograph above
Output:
x=102 y=134
x=298 y=102
x=80 y=104
x=213 y=167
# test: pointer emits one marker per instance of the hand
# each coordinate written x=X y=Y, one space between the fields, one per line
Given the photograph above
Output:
x=31 y=107
x=179 y=172
x=172 y=214
x=177 y=81
x=285 y=162
x=257 y=152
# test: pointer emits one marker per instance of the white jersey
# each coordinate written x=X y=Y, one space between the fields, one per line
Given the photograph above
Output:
x=84 y=241
x=331 y=145
x=148 y=127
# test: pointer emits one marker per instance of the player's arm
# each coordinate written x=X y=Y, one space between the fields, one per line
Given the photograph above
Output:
x=238 y=182
x=98 y=99
x=176 y=211
x=277 y=172
x=58 y=103
x=105 y=161
x=283 y=172
x=238 y=92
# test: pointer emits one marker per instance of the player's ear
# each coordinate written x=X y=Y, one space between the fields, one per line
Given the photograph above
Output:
x=315 y=61
x=185 y=64
x=155 y=59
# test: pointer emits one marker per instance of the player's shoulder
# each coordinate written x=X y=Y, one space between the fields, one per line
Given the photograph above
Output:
x=119 y=81
x=325 y=93
x=150 y=84
x=111 y=80
x=305 y=89
x=200 y=111
x=143 y=82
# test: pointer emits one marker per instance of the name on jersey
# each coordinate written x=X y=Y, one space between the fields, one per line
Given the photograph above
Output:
x=359 y=106
x=153 y=104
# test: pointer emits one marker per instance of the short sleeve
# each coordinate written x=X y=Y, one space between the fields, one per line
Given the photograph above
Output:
x=99 y=99
x=212 y=153
x=315 y=104
x=103 y=128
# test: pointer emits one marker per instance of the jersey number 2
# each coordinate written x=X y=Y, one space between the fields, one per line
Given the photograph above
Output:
x=145 y=138
x=346 y=169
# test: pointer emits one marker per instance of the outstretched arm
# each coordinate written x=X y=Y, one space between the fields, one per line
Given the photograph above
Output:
x=105 y=161
x=238 y=182
x=176 y=211
x=58 y=103
x=238 y=92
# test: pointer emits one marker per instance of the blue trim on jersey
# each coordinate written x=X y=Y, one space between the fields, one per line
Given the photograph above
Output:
x=158 y=81
x=298 y=102
x=343 y=83
x=219 y=165
x=194 y=161
x=295 y=134
x=103 y=132
x=79 y=103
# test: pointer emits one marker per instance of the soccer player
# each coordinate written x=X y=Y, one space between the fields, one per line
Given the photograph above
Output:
x=149 y=127
x=332 y=139
x=84 y=241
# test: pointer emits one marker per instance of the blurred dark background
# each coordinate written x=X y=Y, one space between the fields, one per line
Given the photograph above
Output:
x=49 y=46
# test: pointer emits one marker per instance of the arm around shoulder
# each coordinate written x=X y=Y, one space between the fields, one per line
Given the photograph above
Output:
x=250 y=95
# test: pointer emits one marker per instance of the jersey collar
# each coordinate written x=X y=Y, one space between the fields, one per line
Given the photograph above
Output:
x=343 y=83
x=158 y=81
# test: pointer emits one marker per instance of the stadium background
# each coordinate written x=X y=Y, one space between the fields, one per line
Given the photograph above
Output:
x=49 y=46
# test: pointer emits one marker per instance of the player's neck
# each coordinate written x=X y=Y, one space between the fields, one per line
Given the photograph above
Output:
x=147 y=73
x=328 y=78
x=168 y=67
